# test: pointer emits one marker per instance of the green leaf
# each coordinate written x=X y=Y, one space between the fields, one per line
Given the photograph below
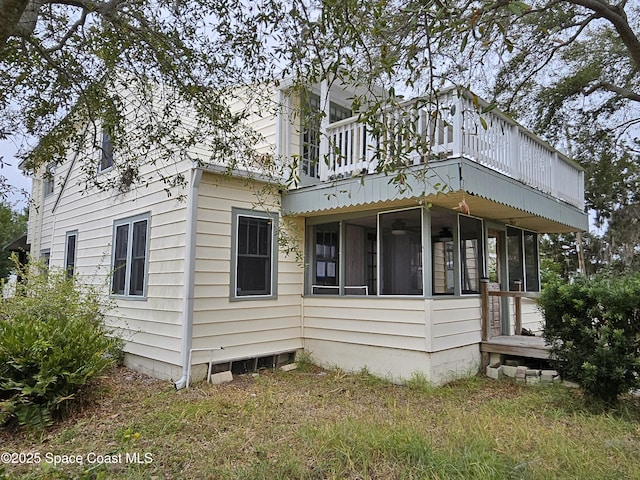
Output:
x=492 y=106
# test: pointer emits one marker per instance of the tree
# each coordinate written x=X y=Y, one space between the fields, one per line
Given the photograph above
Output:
x=568 y=69
x=592 y=327
x=12 y=225
x=573 y=74
x=623 y=235
x=71 y=69
x=559 y=255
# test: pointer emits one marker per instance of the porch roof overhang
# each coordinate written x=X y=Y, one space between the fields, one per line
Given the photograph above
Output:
x=489 y=195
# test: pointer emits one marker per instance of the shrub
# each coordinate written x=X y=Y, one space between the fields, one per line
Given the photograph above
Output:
x=53 y=343
x=592 y=327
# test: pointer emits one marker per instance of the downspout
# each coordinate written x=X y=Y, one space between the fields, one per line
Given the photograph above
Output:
x=189 y=275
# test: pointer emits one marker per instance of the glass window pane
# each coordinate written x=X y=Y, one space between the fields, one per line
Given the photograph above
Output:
x=120 y=259
x=70 y=255
x=106 y=157
x=311 y=138
x=253 y=268
x=401 y=253
x=138 y=258
x=243 y=233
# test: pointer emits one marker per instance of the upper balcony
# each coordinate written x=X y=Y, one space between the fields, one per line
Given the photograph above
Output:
x=414 y=135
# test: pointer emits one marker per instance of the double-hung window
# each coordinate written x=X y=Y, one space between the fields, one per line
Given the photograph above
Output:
x=254 y=254
x=130 y=253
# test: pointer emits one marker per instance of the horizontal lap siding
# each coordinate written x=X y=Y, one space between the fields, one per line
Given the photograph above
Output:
x=531 y=315
x=245 y=328
x=394 y=323
x=151 y=326
x=455 y=322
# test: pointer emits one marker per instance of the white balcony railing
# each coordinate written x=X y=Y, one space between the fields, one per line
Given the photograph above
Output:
x=413 y=137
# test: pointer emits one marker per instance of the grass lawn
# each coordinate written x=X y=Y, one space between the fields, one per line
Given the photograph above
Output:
x=315 y=424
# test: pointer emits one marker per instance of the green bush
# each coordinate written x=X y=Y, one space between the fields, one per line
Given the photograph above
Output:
x=593 y=327
x=52 y=343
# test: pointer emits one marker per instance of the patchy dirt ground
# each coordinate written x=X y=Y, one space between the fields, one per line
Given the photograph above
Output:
x=311 y=423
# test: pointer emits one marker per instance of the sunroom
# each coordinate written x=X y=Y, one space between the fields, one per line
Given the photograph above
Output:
x=415 y=252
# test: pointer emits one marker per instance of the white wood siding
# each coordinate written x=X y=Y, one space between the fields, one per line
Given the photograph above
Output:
x=455 y=322
x=245 y=328
x=385 y=322
x=532 y=318
x=152 y=325
x=403 y=323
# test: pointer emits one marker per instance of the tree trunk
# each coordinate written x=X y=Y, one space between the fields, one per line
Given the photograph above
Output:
x=13 y=20
x=580 y=252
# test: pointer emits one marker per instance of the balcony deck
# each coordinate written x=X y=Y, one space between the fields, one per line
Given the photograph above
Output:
x=460 y=130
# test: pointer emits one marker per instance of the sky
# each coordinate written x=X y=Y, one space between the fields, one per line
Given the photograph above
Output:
x=9 y=170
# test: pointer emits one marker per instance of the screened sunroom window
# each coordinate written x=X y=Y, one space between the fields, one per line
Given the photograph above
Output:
x=532 y=277
x=442 y=253
x=471 y=254
x=326 y=264
x=522 y=250
x=401 y=253
x=379 y=254
x=515 y=257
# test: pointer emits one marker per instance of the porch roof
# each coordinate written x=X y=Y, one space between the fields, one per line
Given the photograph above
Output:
x=489 y=195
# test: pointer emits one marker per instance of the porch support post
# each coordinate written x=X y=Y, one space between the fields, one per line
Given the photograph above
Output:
x=515 y=158
x=458 y=126
x=323 y=155
x=484 y=306
x=518 y=302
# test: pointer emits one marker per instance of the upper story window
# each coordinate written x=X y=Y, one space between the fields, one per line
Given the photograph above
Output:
x=71 y=245
x=49 y=180
x=130 y=253
x=254 y=255
x=310 y=154
x=106 y=155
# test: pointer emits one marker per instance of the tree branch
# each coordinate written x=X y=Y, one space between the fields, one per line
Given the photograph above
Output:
x=609 y=87
x=73 y=29
x=618 y=18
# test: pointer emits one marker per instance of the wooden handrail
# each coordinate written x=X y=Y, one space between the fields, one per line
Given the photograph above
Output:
x=514 y=294
x=517 y=295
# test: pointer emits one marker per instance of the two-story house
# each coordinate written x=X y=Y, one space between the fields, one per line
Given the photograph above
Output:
x=386 y=277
